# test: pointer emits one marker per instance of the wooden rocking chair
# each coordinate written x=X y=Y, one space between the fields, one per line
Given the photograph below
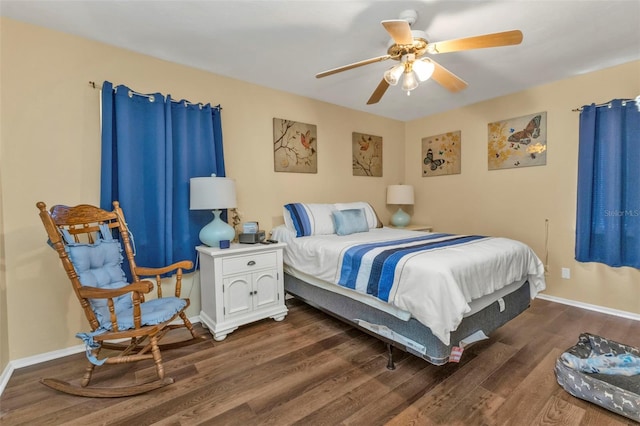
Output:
x=118 y=314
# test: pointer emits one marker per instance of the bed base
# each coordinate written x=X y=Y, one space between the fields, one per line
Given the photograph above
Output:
x=422 y=342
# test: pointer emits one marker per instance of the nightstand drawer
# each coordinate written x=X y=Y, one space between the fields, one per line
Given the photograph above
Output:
x=244 y=264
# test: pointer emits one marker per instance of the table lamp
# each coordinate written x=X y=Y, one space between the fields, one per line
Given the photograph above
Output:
x=400 y=195
x=213 y=193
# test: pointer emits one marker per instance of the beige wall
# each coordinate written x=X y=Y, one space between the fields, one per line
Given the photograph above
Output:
x=4 y=327
x=49 y=141
x=515 y=202
x=51 y=150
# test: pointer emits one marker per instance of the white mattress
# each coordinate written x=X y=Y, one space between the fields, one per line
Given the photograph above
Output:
x=437 y=287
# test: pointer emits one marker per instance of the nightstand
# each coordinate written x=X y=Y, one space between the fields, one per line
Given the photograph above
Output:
x=239 y=285
x=423 y=228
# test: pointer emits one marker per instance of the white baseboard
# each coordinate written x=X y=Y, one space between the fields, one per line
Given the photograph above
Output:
x=596 y=308
x=35 y=359
x=47 y=356
x=6 y=375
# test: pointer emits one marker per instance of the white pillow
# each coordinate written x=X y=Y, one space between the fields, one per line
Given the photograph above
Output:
x=288 y=222
x=309 y=219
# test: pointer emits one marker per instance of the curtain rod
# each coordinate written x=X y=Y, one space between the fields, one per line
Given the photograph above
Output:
x=608 y=104
x=93 y=85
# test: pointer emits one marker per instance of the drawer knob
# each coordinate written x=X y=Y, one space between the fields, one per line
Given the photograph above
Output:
x=251 y=263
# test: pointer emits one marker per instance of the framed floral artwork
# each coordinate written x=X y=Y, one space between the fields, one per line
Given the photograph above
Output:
x=367 y=154
x=441 y=154
x=295 y=146
x=518 y=142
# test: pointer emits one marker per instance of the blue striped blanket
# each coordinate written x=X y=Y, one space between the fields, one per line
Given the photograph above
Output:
x=433 y=277
x=374 y=264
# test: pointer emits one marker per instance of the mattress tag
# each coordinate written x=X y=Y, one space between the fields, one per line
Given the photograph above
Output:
x=456 y=354
x=501 y=303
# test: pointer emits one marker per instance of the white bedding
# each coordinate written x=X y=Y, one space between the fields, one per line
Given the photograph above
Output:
x=437 y=286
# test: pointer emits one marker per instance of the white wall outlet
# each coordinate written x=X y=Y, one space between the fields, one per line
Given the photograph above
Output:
x=566 y=273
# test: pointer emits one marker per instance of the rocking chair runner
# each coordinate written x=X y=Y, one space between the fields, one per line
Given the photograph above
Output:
x=116 y=310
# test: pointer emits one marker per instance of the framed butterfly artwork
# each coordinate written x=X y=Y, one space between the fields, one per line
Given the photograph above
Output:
x=366 y=154
x=441 y=154
x=518 y=142
x=295 y=146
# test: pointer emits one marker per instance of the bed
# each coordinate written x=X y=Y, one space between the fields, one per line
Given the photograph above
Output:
x=430 y=294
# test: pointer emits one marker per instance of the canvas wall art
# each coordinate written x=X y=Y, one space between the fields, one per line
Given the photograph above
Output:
x=518 y=142
x=441 y=154
x=295 y=146
x=367 y=154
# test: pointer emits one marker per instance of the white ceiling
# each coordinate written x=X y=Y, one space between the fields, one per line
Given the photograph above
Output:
x=283 y=44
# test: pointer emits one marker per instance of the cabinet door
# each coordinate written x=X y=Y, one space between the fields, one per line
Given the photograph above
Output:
x=237 y=295
x=266 y=288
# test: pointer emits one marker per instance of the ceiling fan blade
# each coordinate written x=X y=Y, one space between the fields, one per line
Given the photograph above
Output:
x=378 y=93
x=447 y=79
x=399 y=30
x=506 y=38
x=353 y=65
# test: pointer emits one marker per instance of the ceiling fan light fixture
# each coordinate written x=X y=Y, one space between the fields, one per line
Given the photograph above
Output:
x=407 y=47
x=393 y=74
x=423 y=68
x=409 y=82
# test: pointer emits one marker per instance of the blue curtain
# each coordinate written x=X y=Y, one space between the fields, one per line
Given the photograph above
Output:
x=608 y=210
x=151 y=147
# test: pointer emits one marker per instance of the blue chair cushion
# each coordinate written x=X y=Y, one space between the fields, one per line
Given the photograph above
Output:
x=154 y=311
x=99 y=265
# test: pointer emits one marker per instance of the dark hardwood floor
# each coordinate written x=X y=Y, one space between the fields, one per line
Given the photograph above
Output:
x=311 y=369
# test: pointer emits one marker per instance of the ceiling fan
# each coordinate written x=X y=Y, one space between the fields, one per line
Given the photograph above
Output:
x=408 y=48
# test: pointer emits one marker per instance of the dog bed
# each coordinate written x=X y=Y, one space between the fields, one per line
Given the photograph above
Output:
x=603 y=372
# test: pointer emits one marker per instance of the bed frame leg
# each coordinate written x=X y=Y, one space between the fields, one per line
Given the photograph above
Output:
x=390 y=364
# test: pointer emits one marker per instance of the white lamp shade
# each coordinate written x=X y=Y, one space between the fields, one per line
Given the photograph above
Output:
x=400 y=194
x=423 y=68
x=212 y=193
x=393 y=74
x=409 y=82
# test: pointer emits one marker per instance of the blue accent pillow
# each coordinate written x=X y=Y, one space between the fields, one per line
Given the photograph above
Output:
x=350 y=221
x=369 y=212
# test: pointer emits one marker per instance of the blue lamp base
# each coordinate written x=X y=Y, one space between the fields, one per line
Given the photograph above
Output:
x=216 y=230
x=400 y=218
